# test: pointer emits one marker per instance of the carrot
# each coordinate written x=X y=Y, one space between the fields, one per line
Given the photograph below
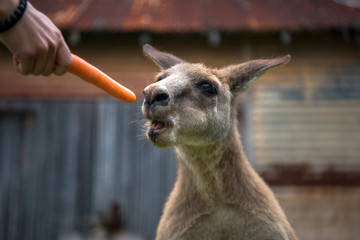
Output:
x=91 y=74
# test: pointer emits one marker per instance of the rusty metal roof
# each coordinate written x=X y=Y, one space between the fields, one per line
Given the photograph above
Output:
x=199 y=15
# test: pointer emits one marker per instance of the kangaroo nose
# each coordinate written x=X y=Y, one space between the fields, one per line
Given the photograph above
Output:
x=161 y=96
x=158 y=98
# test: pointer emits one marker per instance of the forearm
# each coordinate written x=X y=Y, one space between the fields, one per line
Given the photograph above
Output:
x=7 y=7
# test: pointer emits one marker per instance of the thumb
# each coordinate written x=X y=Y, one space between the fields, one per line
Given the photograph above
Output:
x=23 y=66
x=63 y=59
x=16 y=63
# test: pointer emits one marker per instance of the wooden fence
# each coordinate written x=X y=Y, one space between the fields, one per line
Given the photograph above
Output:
x=64 y=162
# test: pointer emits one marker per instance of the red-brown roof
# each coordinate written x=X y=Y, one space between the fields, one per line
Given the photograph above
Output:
x=199 y=15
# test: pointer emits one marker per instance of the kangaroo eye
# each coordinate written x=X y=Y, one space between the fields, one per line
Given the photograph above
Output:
x=159 y=78
x=207 y=88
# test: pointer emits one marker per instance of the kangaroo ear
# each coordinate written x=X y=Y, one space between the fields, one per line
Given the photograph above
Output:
x=162 y=59
x=241 y=76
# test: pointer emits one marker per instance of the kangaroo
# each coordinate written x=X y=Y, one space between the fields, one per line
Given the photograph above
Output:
x=217 y=194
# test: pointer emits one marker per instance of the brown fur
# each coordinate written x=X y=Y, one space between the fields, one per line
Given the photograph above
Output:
x=217 y=194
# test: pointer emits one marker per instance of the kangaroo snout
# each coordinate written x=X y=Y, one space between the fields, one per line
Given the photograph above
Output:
x=155 y=96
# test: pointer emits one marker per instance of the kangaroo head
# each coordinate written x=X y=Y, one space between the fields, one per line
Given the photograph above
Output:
x=191 y=104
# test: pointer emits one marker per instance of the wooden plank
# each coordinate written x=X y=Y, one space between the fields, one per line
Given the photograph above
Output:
x=324 y=110
x=322 y=213
x=331 y=137
x=307 y=127
x=298 y=117
x=277 y=102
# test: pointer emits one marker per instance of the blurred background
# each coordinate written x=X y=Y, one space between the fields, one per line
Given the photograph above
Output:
x=74 y=162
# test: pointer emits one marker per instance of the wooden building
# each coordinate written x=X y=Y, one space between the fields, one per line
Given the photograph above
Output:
x=68 y=151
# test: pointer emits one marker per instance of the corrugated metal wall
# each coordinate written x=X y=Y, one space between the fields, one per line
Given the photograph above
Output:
x=63 y=162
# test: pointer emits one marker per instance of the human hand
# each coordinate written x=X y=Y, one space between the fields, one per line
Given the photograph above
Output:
x=37 y=45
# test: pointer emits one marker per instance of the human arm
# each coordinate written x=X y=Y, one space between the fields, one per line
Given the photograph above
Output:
x=37 y=45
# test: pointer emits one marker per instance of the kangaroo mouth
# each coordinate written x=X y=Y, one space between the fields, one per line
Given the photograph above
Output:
x=158 y=129
x=157 y=125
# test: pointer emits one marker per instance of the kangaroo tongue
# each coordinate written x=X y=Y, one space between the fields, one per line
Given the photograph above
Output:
x=157 y=125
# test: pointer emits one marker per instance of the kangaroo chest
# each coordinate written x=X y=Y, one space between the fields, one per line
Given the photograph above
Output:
x=227 y=223
x=222 y=223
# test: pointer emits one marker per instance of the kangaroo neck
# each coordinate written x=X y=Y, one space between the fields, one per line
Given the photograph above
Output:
x=215 y=170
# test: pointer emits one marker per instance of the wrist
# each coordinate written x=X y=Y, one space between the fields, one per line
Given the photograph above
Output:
x=7 y=7
x=16 y=15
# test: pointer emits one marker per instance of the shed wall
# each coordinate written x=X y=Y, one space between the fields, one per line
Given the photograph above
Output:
x=67 y=151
